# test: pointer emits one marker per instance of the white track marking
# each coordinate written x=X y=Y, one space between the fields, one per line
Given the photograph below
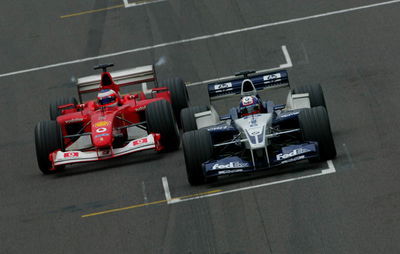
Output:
x=166 y=189
x=204 y=37
x=286 y=65
x=128 y=5
x=330 y=170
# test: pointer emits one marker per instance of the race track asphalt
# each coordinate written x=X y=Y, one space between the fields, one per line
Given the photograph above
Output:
x=354 y=55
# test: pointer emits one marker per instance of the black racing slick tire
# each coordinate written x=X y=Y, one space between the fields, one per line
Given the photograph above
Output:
x=55 y=111
x=188 y=121
x=48 y=138
x=197 y=148
x=315 y=94
x=314 y=125
x=160 y=119
x=179 y=95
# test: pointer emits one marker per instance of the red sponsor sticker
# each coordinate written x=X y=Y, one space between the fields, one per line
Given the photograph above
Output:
x=140 y=141
x=71 y=155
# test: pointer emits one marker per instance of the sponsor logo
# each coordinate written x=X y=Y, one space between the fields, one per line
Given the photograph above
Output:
x=255 y=132
x=71 y=155
x=102 y=135
x=223 y=86
x=236 y=164
x=253 y=122
x=102 y=123
x=140 y=108
x=230 y=171
x=75 y=120
x=223 y=127
x=283 y=156
x=272 y=76
x=140 y=141
x=293 y=159
x=101 y=130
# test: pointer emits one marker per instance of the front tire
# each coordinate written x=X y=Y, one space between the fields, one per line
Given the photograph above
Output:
x=314 y=125
x=197 y=148
x=315 y=94
x=160 y=119
x=55 y=111
x=179 y=95
x=188 y=121
x=48 y=138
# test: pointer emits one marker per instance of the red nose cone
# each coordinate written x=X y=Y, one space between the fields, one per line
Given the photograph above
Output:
x=102 y=134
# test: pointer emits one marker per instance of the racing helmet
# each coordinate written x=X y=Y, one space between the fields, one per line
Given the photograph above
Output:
x=249 y=105
x=107 y=98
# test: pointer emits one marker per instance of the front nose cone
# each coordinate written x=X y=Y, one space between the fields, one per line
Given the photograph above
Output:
x=102 y=134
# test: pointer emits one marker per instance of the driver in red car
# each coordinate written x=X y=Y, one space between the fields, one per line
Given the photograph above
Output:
x=109 y=94
x=108 y=98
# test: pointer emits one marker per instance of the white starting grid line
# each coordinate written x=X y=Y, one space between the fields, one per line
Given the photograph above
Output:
x=330 y=170
x=198 y=38
x=286 y=65
x=139 y=3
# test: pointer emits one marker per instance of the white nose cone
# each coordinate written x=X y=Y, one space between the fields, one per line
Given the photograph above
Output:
x=254 y=128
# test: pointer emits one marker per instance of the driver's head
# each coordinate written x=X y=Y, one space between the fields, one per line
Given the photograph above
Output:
x=249 y=105
x=107 y=98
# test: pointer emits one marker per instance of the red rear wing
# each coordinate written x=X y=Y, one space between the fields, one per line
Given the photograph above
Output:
x=126 y=77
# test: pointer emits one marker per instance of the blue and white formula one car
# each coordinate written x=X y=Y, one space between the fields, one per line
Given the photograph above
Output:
x=257 y=135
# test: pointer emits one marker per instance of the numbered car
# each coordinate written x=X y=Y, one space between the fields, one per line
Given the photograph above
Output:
x=256 y=134
x=113 y=124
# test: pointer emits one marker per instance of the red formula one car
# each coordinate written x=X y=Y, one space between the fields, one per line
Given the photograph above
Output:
x=114 y=124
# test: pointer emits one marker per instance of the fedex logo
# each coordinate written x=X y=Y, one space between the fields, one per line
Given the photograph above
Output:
x=235 y=164
x=283 y=156
x=71 y=155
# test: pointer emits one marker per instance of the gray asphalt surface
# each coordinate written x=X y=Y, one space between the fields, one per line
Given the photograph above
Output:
x=353 y=55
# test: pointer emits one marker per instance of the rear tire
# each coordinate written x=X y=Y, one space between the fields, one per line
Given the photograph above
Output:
x=48 y=138
x=314 y=125
x=188 y=121
x=315 y=94
x=179 y=95
x=160 y=119
x=55 y=111
x=197 y=148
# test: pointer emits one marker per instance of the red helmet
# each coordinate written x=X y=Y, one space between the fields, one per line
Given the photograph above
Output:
x=249 y=105
x=107 y=98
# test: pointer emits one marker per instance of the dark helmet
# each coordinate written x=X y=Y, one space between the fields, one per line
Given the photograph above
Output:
x=249 y=105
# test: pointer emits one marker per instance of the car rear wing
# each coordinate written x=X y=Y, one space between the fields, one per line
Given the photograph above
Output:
x=125 y=77
x=233 y=85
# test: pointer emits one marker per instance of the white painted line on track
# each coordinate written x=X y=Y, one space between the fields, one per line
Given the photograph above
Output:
x=166 y=189
x=330 y=170
x=128 y=5
x=204 y=37
x=286 y=65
